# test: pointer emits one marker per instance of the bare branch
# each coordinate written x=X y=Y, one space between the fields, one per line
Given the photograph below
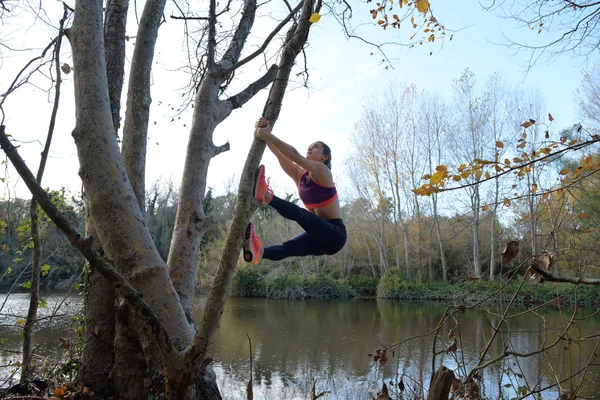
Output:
x=266 y=42
x=232 y=54
x=212 y=34
x=242 y=97
x=18 y=83
x=547 y=276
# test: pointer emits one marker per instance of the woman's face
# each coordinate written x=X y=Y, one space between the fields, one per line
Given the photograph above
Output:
x=315 y=152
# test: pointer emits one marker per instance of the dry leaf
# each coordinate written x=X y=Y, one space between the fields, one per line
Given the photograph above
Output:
x=510 y=252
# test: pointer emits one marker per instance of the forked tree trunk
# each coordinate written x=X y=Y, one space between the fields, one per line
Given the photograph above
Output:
x=119 y=222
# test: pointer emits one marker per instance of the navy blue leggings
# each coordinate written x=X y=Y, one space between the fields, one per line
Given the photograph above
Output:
x=321 y=236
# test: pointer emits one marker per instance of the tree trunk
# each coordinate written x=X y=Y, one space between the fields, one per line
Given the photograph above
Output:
x=245 y=204
x=407 y=251
x=35 y=295
x=115 y=22
x=493 y=231
x=130 y=364
x=439 y=238
x=119 y=222
x=98 y=354
x=441 y=381
x=476 y=253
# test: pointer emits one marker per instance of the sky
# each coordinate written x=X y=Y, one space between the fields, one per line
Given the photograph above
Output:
x=342 y=76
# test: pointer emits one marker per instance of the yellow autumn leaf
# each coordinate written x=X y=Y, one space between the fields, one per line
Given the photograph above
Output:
x=431 y=38
x=564 y=171
x=478 y=175
x=582 y=216
x=545 y=196
x=526 y=217
x=487 y=175
x=20 y=321
x=442 y=168
x=437 y=177
x=457 y=177
x=423 y=6
x=462 y=166
x=550 y=117
x=527 y=124
x=315 y=17
x=59 y=392
x=485 y=208
x=499 y=144
x=465 y=174
x=506 y=201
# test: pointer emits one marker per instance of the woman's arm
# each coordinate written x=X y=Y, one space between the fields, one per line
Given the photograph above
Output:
x=293 y=170
x=318 y=170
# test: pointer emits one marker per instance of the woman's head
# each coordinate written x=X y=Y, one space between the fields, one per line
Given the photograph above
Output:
x=319 y=151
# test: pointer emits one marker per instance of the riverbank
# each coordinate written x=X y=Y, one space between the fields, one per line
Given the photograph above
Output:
x=252 y=282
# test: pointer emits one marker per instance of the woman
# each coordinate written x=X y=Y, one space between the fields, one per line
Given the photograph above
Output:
x=325 y=232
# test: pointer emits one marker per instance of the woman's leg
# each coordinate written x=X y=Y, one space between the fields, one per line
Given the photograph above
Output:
x=301 y=245
x=318 y=228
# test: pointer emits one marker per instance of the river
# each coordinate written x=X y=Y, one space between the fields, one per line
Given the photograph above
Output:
x=297 y=341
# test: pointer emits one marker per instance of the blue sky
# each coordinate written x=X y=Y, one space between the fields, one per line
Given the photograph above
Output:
x=342 y=74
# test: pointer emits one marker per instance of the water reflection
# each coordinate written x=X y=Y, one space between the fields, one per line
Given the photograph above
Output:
x=294 y=342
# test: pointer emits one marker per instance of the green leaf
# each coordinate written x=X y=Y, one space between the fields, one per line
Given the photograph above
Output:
x=45 y=269
x=26 y=285
x=77 y=286
x=9 y=270
x=42 y=303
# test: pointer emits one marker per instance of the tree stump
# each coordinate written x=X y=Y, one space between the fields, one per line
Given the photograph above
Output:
x=439 y=389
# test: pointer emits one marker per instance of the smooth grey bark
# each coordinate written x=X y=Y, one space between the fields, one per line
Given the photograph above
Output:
x=119 y=222
x=129 y=361
x=191 y=223
x=98 y=354
x=137 y=113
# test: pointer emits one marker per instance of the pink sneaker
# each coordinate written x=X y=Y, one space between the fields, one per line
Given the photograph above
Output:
x=252 y=245
x=261 y=187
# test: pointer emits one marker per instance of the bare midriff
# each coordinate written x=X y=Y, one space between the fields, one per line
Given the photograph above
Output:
x=330 y=211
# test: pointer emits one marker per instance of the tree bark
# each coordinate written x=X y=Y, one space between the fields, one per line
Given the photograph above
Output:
x=115 y=23
x=137 y=114
x=98 y=354
x=117 y=217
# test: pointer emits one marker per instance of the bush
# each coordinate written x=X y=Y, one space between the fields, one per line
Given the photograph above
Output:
x=364 y=286
x=313 y=286
x=247 y=282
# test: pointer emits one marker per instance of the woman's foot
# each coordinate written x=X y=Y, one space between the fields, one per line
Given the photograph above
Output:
x=262 y=190
x=252 y=245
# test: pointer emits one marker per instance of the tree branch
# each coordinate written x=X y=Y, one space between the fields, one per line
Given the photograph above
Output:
x=232 y=54
x=212 y=34
x=266 y=42
x=86 y=248
x=547 y=276
x=242 y=97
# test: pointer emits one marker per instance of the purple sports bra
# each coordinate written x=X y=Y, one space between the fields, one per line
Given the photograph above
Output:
x=314 y=195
